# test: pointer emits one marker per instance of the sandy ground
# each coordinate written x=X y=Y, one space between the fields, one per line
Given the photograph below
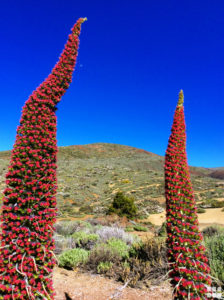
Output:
x=82 y=286
x=157 y=219
x=210 y=217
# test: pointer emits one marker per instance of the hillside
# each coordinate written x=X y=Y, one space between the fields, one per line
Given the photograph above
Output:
x=90 y=175
x=218 y=173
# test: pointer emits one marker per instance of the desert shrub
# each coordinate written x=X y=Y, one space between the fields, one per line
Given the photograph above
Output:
x=134 y=270
x=86 y=209
x=153 y=250
x=101 y=253
x=201 y=210
x=143 y=262
x=94 y=222
x=129 y=229
x=217 y=204
x=66 y=227
x=73 y=257
x=215 y=248
x=162 y=230
x=114 y=251
x=123 y=205
x=119 y=247
x=142 y=216
x=63 y=243
x=148 y=223
x=105 y=233
x=210 y=231
x=148 y=260
x=83 y=240
x=212 y=204
x=104 y=267
x=140 y=228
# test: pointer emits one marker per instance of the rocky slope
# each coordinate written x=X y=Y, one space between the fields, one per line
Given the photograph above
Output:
x=90 y=175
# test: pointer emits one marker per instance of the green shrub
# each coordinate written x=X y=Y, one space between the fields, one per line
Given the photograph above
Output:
x=123 y=205
x=134 y=270
x=162 y=230
x=66 y=228
x=217 y=204
x=201 y=210
x=140 y=228
x=114 y=250
x=101 y=253
x=103 y=267
x=72 y=258
x=142 y=263
x=87 y=209
x=119 y=247
x=153 y=250
x=84 y=240
x=215 y=247
x=129 y=229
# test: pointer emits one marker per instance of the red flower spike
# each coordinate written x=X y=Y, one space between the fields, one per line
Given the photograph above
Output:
x=185 y=252
x=29 y=203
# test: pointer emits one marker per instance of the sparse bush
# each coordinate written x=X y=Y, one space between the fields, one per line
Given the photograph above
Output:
x=162 y=230
x=140 y=262
x=129 y=229
x=104 y=267
x=123 y=205
x=212 y=204
x=66 y=227
x=105 y=233
x=153 y=250
x=201 y=210
x=63 y=243
x=215 y=249
x=87 y=209
x=217 y=204
x=134 y=270
x=210 y=231
x=73 y=257
x=119 y=247
x=101 y=253
x=83 y=240
x=140 y=228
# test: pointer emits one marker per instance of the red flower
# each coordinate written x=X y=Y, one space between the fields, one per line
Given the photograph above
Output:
x=32 y=178
x=182 y=223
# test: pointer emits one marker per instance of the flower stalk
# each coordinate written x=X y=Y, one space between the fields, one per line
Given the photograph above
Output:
x=29 y=203
x=186 y=253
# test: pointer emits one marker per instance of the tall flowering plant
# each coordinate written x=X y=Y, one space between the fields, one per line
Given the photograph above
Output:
x=29 y=204
x=189 y=270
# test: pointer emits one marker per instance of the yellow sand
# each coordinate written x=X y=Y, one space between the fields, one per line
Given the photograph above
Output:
x=211 y=216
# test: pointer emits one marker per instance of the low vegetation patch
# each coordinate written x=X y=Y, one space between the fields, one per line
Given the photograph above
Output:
x=84 y=240
x=214 y=241
x=140 y=228
x=117 y=254
x=73 y=258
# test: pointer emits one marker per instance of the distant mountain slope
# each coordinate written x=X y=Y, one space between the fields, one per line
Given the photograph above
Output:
x=90 y=175
x=218 y=173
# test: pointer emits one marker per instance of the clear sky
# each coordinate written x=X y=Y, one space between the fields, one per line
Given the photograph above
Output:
x=134 y=57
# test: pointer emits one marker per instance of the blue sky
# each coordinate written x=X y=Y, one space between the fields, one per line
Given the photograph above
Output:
x=134 y=57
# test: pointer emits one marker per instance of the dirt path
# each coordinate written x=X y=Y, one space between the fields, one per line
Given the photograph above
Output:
x=82 y=286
